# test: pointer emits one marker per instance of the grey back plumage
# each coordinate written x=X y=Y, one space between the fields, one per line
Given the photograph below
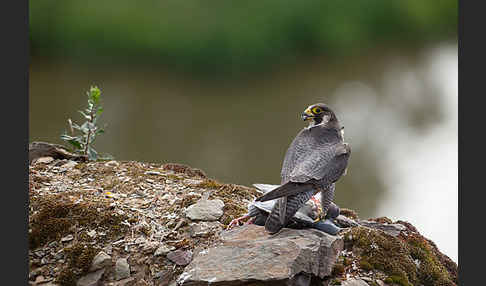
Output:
x=314 y=154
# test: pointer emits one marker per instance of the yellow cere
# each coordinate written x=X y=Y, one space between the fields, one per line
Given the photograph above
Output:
x=308 y=112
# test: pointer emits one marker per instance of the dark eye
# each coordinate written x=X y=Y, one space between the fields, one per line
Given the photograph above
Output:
x=317 y=110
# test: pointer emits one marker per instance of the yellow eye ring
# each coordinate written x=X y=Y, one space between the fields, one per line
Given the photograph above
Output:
x=316 y=110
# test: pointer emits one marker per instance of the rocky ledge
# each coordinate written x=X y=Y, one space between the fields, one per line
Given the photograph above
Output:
x=249 y=254
x=132 y=223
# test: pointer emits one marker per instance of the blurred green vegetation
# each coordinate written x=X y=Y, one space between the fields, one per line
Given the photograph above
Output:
x=230 y=36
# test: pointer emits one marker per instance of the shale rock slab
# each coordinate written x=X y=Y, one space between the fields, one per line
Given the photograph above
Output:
x=354 y=282
x=393 y=229
x=122 y=269
x=91 y=279
x=101 y=260
x=250 y=254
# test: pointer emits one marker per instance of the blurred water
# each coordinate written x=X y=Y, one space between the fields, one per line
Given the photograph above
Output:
x=426 y=182
x=398 y=108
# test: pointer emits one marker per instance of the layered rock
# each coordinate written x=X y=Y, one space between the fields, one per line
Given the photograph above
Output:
x=250 y=254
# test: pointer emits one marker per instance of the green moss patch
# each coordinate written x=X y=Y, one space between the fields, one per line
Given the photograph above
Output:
x=407 y=260
x=348 y=213
x=79 y=258
x=180 y=168
x=338 y=269
x=56 y=216
x=189 y=200
x=209 y=184
x=395 y=279
x=430 y=270
x=365 y=265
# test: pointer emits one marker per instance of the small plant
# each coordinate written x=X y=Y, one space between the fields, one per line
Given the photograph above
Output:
x=83 y=143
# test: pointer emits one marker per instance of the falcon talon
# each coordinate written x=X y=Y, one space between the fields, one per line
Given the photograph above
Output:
x=236 y=221
x=250 y=221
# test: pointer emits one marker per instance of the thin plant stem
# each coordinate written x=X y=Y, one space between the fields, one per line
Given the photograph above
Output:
x=92 y=115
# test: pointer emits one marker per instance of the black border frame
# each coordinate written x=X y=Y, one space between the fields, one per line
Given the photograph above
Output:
x=15 y=118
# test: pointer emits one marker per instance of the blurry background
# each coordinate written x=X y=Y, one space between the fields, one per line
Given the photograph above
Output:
x=220 y=86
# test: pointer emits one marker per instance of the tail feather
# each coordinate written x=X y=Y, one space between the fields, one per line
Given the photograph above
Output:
x=288 y=189
x=282 y=210
x=275 y=222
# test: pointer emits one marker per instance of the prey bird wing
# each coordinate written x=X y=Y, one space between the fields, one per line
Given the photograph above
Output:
x=265 y=188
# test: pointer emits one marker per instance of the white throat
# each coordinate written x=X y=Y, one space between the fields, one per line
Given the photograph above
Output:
x=312 y=123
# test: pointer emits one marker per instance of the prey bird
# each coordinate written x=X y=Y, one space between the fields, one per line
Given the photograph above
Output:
x=305 y=217
x=315 y=160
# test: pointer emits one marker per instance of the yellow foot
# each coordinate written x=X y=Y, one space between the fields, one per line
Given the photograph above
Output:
x=319 y=218
x=236 y=221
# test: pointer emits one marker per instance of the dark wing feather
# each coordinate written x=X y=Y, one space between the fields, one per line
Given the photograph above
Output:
x=288 y=189
x=297 y=149
x=326 y=165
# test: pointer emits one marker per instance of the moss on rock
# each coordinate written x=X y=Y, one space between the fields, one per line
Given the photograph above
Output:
x=365 y=265
x=338 y=269
x=49 y=223
x=209 y=184
x=79 y=258
x=56 y=215
x=348 y=213
x=430 y=270
x=180 y=168
x=407 y=260
x=385 y=253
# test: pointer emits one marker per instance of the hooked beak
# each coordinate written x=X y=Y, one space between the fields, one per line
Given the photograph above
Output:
x=307 y=115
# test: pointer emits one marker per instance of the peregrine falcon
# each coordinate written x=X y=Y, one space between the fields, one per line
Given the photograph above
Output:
x=315 y=160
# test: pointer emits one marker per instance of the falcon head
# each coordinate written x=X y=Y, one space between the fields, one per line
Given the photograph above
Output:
x=318 y=113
